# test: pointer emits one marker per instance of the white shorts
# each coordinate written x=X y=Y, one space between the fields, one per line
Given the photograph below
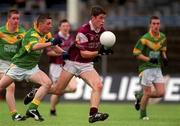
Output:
x=152 y=76
x=54 y=71
x=77 y=68
x=4 y=66
x=20 y=74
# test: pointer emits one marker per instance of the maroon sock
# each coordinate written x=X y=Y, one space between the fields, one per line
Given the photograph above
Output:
x=93 y=110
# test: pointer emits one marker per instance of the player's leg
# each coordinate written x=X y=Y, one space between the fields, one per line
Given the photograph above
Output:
x=146 y=82
x=157 y=100
x=10 y=99
x=5 y=82
x=56 y=89
x=148 y=93
x=54 y=99
x=158 y=84
x=61 y=83
x=144 y=102
x=10 y=92
x=138 y=95
x=159 y=91
x=54 y=73
x=41 y=78
x=71 y=87
x=92 y=78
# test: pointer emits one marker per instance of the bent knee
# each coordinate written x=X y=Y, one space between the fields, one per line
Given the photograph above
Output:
x=98 y=87
x=48 y=84
x=57 y=92
x=161 y=94
x=72 y=88
x=147 y=93
x=11 y=88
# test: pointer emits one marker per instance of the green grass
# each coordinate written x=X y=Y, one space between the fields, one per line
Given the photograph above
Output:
x=75 y=114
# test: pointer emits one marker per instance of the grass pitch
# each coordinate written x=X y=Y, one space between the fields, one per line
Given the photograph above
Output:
x=76 y=114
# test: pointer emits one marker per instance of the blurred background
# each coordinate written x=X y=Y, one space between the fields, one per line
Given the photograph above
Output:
x=129 y=20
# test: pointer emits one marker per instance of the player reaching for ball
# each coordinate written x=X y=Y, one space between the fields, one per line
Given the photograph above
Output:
x=107 y=39
x=86 y=48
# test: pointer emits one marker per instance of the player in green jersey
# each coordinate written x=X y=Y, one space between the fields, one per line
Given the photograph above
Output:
x=11 y=36
x=25 y=63
x=150 y=50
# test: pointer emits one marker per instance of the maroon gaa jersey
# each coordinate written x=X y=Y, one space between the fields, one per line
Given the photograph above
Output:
x=67 y=42
x=88 y=39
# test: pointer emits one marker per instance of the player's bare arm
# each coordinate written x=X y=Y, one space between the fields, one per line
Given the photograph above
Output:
x=39 y=46
x=164 y=54
x=88 y=54
x=52 y=53
x=143 y=57
x=57 y=50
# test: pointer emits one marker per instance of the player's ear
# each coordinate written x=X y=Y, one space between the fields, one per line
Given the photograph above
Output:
x=93 y=17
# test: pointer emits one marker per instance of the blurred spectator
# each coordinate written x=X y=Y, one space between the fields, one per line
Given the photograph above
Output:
x=20 y=3
x=33 y=4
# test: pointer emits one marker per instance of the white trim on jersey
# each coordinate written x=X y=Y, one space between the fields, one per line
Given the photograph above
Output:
x=81 y=38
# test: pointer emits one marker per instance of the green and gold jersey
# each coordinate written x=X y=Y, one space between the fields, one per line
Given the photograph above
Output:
x=150 y=47
x=10 y=42
x=26 y=57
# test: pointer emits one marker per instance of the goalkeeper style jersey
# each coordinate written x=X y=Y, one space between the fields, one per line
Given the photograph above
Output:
x=10 y=42
x=26 y=57
x=150 y=47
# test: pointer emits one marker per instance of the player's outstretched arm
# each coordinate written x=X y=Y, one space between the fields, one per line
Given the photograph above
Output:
x=39 y=46
x=53 y=42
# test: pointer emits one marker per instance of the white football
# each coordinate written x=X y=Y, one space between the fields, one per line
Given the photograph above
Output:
x=107 y=39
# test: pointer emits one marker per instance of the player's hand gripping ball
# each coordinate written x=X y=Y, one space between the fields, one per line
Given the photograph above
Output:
x=107 y=39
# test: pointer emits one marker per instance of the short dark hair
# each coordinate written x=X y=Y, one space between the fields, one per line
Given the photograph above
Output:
x=13 y=11
x=63 y=21
x=97 y=10
x=42 y=18
x=153 y=17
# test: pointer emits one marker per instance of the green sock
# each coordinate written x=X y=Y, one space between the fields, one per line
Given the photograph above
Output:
x=142 y=114
x=14 y=114
x=33 y=106
x=139 y=94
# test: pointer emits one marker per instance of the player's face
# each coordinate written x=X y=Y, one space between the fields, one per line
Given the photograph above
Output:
x=13 y=20
x=155 y=25
x=65 y=28
x=46 y=26
x=99 y=21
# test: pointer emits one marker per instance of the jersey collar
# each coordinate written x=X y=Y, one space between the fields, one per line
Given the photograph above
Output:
x=7 y=28
x=92 y=27
x=63 y=36
x=156 y=37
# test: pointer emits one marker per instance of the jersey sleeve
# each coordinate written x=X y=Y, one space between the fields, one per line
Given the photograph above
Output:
x=164 y=45
x=31 y=41
x=49 y=37
x=81 y=41
x=139 y=47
